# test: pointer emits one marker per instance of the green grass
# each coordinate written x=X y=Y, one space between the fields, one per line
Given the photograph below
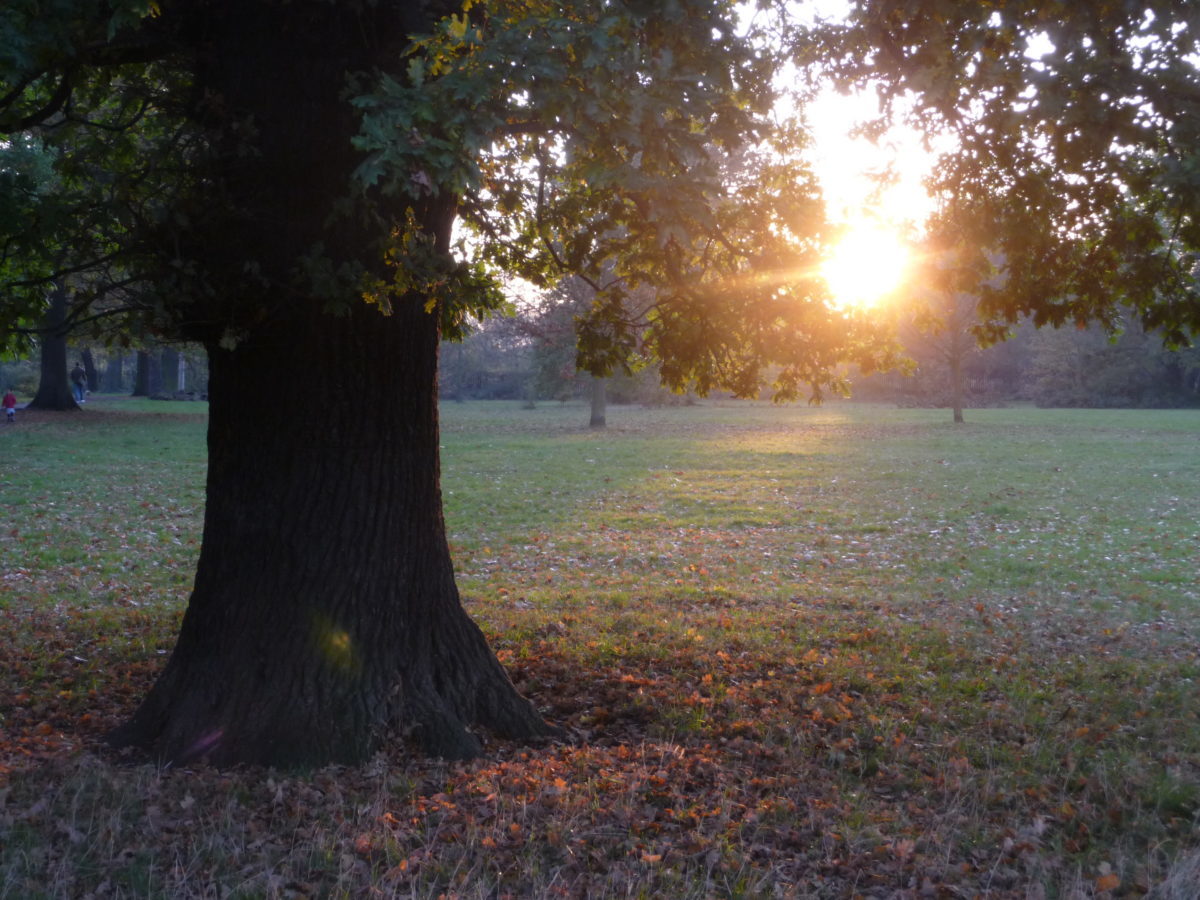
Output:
x=97 y=496
x=800 y=652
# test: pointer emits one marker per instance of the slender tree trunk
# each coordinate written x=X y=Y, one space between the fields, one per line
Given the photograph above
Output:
x=141 y=374
x=959 y=344
x=154 y=377
x=956 y=386
x=54 y=388
x=599 y=403
x=529 y=389
x=169 y=368
x=89 y=367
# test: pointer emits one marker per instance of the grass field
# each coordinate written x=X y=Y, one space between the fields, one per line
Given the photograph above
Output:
x=800 y=652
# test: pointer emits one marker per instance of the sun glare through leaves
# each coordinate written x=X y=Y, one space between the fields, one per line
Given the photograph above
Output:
x=874 y=189
x=865 y=266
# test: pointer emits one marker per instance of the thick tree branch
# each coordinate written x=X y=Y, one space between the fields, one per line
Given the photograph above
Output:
x=12 y=96
x=53 y=106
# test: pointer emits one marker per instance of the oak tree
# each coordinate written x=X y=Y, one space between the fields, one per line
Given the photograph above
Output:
x=280 y=181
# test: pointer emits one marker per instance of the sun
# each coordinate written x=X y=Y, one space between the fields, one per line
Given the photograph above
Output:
x=873 y=188
x=866 y=265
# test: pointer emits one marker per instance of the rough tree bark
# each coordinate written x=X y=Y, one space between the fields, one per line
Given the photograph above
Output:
x=324 y=614
x=54 y=387
x=325 y=610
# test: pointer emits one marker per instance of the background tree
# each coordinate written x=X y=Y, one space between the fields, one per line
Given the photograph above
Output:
x=490 y=362
x=552 y=328
x=147 y=377
x=943 y=334
x=114 y=374
x=54 y=388
x=942 y=313
x=597 y=403
x=168 y=362
x=1077 y=159
x=1089 y=367
x=1072 y=367
x=72 y=187
x=88 y=359
x=552 y=335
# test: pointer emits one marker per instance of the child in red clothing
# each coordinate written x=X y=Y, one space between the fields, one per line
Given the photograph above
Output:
x=10 y=407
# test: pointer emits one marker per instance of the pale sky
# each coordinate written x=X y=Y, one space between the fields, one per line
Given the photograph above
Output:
x=845 y=164
x=873 y=257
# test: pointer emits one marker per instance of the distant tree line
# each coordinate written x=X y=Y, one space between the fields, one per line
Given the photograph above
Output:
x=531 y=357
x=1072 y=367
x=496 y=362
x=168 y=371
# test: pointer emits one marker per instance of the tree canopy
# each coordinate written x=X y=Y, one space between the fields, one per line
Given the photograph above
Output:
x=92 y=151
x=569 y=136
x=629 y=144
x=1077 y=166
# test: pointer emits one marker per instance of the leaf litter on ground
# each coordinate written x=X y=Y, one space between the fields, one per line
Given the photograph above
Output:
x=798 y=653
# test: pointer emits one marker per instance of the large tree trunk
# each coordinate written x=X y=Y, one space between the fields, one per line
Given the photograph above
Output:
x=324 y=614
x=54 y=388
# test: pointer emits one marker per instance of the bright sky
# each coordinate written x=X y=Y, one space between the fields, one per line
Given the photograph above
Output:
x=870 y=260
x=846 y=165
